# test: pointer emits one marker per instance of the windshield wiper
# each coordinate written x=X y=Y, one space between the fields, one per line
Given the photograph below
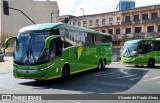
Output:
x=25 y=54
x=27 y=51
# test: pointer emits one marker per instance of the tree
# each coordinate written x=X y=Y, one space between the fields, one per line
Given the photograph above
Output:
x=3 y=37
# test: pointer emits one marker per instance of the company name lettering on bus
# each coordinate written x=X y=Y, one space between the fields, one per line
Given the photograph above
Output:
x=90 y=51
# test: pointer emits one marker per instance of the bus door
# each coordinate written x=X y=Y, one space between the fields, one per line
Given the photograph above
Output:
x=55 y=48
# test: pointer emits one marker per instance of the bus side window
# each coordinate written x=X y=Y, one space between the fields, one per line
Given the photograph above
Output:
x=52 y=49
x=90 y=39
x=59 y=48
x=143 y=48
x=157 y=46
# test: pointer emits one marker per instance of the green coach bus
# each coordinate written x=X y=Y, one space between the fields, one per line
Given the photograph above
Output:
x=141 y=52
x=53 y=50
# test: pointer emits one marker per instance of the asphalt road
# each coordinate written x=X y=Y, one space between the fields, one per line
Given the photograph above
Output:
x=115 y=79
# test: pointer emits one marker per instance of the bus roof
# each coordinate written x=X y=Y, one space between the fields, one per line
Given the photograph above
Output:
x=52 y=26
x=133 y=41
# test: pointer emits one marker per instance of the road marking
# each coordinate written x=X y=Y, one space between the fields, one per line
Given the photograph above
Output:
x=140 y=77
x=146 y=76
x=104 y=74
x=135 y=78
x=158 y=77
x=126 y=76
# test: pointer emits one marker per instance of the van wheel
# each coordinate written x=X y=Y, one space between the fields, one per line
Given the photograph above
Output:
x=100 y=65
x=151 y=63
x=66 y=72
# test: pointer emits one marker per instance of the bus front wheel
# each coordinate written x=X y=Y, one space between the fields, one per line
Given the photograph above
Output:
x=151 y=62
x=66 y=72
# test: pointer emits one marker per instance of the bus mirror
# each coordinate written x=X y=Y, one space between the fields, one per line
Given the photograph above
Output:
x=8 y=40
x=49 y=39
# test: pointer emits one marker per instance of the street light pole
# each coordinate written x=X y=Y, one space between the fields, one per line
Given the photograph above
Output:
x=51 y=16
x=83 y=11
x=83 y=16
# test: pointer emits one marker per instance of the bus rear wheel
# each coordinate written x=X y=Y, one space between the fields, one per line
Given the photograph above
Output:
x=100 y=65
x=151 y=63
x=65 y=72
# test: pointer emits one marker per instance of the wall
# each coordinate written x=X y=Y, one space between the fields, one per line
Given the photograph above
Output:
x=38 y=11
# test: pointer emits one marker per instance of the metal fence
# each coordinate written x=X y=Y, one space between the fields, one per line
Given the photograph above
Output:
x=125 y=37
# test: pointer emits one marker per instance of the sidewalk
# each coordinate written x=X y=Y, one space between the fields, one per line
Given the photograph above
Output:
x=7 y=63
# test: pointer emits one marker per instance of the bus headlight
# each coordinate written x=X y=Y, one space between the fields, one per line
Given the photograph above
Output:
x=47 y=67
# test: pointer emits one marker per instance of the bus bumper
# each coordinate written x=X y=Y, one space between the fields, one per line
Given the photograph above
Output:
x=28 y=73
x=128 y=60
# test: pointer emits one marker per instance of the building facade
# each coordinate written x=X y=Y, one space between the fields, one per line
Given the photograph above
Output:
x=38 y=11
x=135 y=23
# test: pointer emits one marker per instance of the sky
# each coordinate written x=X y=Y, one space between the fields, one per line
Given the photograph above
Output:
x=73 y=7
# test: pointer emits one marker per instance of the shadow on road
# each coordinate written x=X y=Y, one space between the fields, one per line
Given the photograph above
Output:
x=144 y=67
x=110 y=80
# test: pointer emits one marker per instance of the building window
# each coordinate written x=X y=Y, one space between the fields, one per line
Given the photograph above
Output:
x=128 y=30
x=127 y=18
x=97 y=21
x=127 y=5
x=150 y=29
x=110 y=31
x=118 y=18
x=118 y=31
x=110 y=19
x=158 y=28
x=84 y=23
x=137 y=29
x=136 y=17
x=154 y=15
x=79 y=23
x=103 y=31
x=144 y=16
x=103 y=21
x=90 y=22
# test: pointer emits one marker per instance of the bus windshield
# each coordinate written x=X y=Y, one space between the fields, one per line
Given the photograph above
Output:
x=128 y=49
x=29 y=47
